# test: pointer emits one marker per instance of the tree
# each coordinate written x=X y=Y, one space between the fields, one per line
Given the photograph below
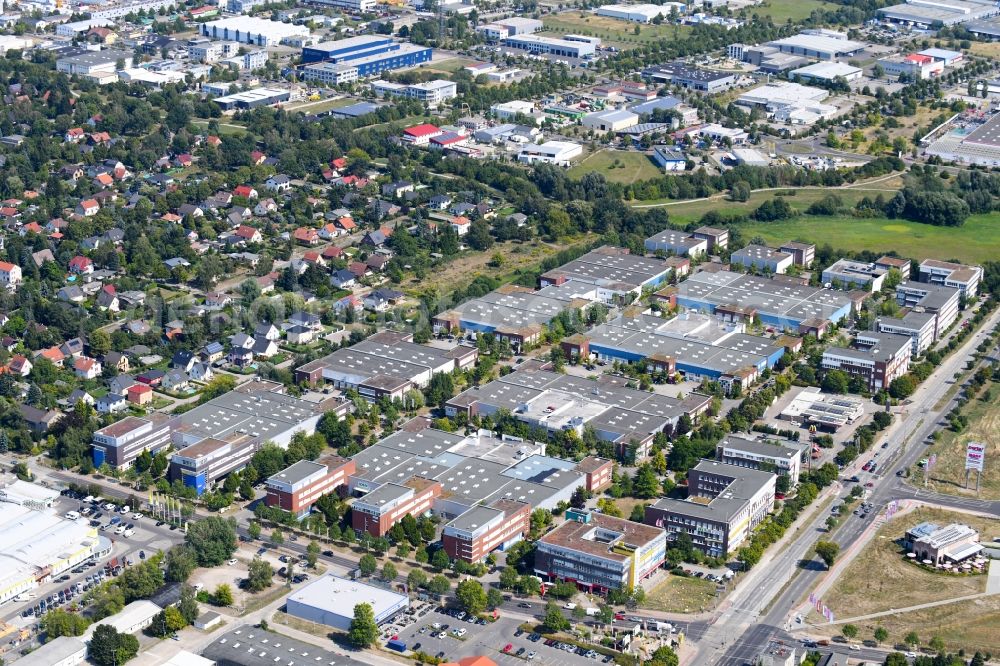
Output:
x=554 y=619
x=253 y=530
x=389 y=572
x=494 y=598
x=416 y=578
x=60 y=622
x=99 y=342
x=912 y=639
x=663 y=656
x=188 y=604
x=440 y=559
x=277 y=537
x=903 y=387
x=471 y=596
x=223 y=595
x=881 y=635
x=835 y=381
x=367 y=564
x=363 y=632
x=108 y=647
x=312 y=554
x=646 y=485
x=936 y=643
x=212 y=539
x=896 y=659
x=850 y=631
x=827 y=551
x=508 y=578
x=180 y=560
x=259 y=575
x=438 y=585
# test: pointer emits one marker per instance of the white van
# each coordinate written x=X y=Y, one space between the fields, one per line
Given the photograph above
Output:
x=120 y=529
x=72 y=515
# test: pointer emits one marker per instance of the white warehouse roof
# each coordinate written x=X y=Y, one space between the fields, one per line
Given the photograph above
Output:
x=827 y=70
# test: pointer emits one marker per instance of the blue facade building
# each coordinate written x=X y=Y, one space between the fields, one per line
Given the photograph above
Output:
x=367 y=55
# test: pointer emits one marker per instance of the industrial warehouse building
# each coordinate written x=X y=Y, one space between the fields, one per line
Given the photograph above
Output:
x=614 y=272
x=776 y=303
x=818 y=47
x=515 y=314
x=347 y=60
x=40 y=545
x=926 y=14
x=699 y=346
x=61 y=651
x=251 y=30
x=386 y=364
x=628 y=418
x=215 y=438
x=551 y=46
x=330 y=601
x=559 y=153
x=725 y=502
x=641 y=13
x=599 y=552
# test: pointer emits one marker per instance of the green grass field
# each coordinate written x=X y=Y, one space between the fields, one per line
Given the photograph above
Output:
x=612 y=31
x=632 y=166
x=978 y=240
x=782 y=10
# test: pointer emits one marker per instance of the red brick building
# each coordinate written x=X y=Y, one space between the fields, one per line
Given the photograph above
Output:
x=482 y=529
x=385 y=506
x=597 y=472
x=297 y=488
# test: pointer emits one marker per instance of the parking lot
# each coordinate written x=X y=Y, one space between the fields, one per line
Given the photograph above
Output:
x=453 y=636
x=144 y=539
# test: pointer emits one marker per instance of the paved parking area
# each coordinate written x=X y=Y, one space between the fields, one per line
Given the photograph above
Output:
x=488 y=640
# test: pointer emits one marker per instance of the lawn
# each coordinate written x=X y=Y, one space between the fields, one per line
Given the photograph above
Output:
x=879 y=579
x=978 y=240
x=948 y=475
x=782 y=10
x=617 y=166
x=448 y=65
x=319 y=106
x=680 y=594
x=691 y=211
x=612 y=32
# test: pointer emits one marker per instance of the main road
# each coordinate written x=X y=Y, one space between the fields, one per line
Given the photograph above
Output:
x=761 y=612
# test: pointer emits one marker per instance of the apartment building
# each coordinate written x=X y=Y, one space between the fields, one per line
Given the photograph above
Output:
x=762 y=258
x=725 y=502
x=600 y=553
x=479 y=531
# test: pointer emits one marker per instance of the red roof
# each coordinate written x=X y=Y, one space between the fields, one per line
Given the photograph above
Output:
x=422 y=130
x=339 y=163
x=140 y=388
x=243 y=190
x=246 y=231
x=922 y=59
x=347 y=223
x=333 y=252
x=53 y=354
x=89 y=203
x=79 y=261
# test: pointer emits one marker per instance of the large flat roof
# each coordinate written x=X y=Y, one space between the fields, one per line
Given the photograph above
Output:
x=246 y=645
x=744 y=485
x=339 y=596
x=820 y=43
x=252 y=24
x=591 y=537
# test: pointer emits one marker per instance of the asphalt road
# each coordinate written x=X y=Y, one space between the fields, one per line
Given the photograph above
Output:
x=750 y=629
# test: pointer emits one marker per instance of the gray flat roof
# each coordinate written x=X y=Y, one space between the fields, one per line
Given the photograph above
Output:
x=297 y=471
x=746 y=482
x=247 y=645
x=758 y=447
x=54 y=652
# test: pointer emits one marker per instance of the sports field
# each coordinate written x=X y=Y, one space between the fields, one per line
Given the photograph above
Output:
x=878 y=579
x=617 y=166
x=948 y=475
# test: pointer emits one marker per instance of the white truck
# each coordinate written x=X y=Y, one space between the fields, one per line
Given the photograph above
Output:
x=591 y=612
x=664 y=627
